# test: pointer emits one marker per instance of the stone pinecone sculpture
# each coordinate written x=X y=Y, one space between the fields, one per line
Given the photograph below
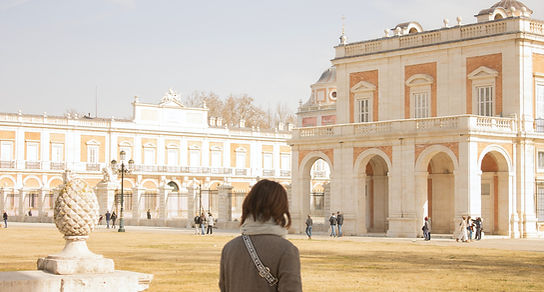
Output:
x=76 y=209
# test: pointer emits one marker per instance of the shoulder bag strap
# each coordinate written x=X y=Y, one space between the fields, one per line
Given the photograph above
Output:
x=264 y=271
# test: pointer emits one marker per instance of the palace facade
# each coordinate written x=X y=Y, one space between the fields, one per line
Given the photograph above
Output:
x=184 y=162
x=440 y=123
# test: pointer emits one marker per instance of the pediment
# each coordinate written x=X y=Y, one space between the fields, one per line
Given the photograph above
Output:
x=483 y=73
x=363 y=86
x=419 y=80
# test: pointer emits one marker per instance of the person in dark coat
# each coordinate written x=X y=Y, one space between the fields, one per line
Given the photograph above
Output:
x=5 y=217
x=148 y=214
x=332 y=222
x=108 y=218
x=309 y=224
x=339 y=222
x=113 y=218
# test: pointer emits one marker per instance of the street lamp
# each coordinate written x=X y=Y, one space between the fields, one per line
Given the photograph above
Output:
x=123 y=170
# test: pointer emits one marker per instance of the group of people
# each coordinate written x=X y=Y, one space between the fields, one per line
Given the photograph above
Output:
x=336 y=221
x=204 y=224
x=109 y=217
x=468 y=227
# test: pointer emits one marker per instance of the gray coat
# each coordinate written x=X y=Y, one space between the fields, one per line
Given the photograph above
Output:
x=238 y=272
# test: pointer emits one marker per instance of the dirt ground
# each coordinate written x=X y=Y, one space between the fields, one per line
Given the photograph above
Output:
x=181 y=261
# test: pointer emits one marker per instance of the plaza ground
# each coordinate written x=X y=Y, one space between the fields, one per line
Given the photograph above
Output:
x=181 y=261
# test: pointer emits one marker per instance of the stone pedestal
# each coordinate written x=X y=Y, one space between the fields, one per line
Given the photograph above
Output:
x=39 y=281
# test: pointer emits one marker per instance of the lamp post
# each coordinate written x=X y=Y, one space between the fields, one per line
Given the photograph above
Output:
x=123 y=169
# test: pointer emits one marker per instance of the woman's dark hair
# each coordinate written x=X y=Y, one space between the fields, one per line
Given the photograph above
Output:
x=267 y=199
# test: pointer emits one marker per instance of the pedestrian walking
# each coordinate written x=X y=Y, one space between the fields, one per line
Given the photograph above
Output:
x=5 y=217
x=211 y=222
x=339 y=222
x=479 y=228
x=462 y=230
x=30 y=212
x=309 y=224
x=100 y=220
x=332 y=222
x=113 y=218
x=148 y=214
x=470 y=228
x=262 y=259
x=108 y=218
x=427 y=229
x=197 y=220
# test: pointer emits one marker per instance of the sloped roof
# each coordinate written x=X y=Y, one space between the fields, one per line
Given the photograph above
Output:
x=506 y=4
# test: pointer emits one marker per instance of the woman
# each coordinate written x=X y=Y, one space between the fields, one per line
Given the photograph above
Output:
x=265 y=219
x=462 y=230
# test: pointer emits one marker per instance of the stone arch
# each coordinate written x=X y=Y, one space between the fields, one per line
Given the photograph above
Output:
x=310 y=158
x=27 y=182
x=149 y=184
x=371 y=182
x=434 y=192
x=54 y=182
x=499 y=13
x=422 y=161
x=495 y=165
x=7 y=181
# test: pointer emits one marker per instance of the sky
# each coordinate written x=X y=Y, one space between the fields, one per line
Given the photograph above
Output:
x=57 y=55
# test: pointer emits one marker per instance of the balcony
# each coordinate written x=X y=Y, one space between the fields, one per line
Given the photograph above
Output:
x=539 y=125
x=7 y=164
x=440 y=36
x=33 y=165
x=240 y=171
x=285 y=172
x=462 y=124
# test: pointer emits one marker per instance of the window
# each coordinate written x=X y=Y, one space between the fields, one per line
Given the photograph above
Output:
x=485 y=100
x=267 y=161
x=539 y=90
x=285 y=160
x=420 y=95
x=483 y=91
x=363 y=95
x=216 y=157
x=92 y=154
x=32 y=151
x=240 y=158
x=173 y=156
x=540 y=160
x=6 y=151
x=149 y=156
x=56 y=152
x=421 y=104
x=194 y=157
x=363 y=110
x=540 y=202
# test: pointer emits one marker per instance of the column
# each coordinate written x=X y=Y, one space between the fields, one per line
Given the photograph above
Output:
x=514 y=227
x=224 y=203
x=2 y=200
x=164 y=190
x=191 y=198
x=359 y=181
x=41 y=200
x=137 y=193
x=421 y=197
x=105 y=194
x=21 y=199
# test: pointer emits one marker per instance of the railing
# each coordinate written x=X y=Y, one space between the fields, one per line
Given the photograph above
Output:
x=33 y=165
x=539 y=125
x=457 y=124
x=7 y=164
x=269 y=172
x=240 y=171
x=58 y=165
x=319 y=174
x=455 y=33
x=216 y=170
x=93 y=167
x=285 y=172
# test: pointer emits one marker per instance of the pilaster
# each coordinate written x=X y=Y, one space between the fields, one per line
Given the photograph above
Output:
x=225 y=203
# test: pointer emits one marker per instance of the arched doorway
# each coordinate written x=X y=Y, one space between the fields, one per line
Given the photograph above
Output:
x=376 y=193
x=440 y=199
x=320 y=190
x=494 y=193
